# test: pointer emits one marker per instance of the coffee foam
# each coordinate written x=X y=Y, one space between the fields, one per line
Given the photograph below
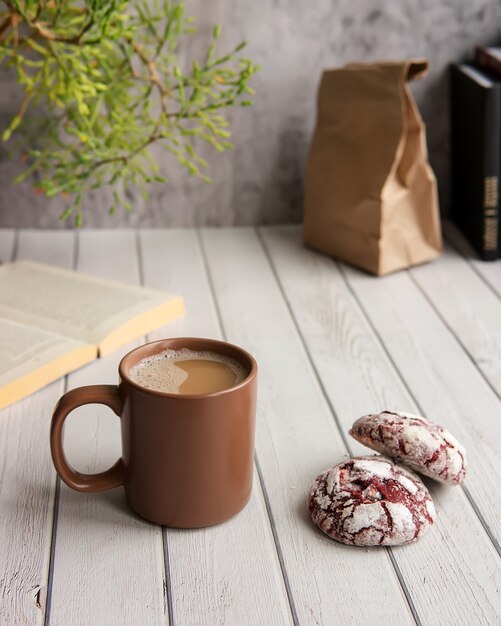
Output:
x=159 y=372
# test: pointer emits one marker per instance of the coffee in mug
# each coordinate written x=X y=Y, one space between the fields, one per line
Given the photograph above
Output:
x=187 y=410
x=186 y=371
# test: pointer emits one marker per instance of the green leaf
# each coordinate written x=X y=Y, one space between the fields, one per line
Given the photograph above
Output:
x=66 y=213
x=16 y=120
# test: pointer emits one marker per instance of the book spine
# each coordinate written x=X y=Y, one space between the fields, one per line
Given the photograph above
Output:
x=492 y=147
x=490 y=218
x=492 y=63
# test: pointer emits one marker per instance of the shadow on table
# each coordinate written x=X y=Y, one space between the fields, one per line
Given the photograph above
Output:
x=97 y=510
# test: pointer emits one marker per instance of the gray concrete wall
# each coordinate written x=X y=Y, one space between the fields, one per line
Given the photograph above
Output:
x=261 y=180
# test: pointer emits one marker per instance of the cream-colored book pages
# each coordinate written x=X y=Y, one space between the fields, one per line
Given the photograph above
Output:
x=80 y=306
x=32 y=358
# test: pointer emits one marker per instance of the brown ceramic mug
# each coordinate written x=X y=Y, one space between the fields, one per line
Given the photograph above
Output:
x=187 y=460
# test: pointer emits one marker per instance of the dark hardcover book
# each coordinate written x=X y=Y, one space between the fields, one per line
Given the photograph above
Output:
x=489 y=59
x=476 y=150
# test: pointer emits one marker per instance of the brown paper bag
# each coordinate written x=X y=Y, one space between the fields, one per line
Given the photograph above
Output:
x=370 y=194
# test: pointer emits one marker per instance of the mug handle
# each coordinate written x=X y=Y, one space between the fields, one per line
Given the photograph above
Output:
x=93 y=394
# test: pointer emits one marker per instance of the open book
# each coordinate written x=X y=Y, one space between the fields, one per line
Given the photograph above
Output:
x=53 y=321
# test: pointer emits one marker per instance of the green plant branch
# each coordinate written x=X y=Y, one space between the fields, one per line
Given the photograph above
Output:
x=107 y=75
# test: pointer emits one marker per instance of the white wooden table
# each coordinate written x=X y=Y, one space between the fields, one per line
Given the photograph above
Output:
x=332 y=344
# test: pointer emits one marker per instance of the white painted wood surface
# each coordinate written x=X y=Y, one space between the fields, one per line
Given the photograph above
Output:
x=229 y=574
x=358 y=378
x=108 y=564
x=490 y=271
x=27 y=478
x=445 y=383
x=475 y=320
x=7 y=240
x=296 y=439
x=332 y=343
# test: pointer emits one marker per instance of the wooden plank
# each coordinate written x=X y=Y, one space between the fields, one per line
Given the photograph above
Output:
x=55 y=247
x=209 y=583
x=27 y=478
x=445 y=383
x=101 y=548
x=296 y=439
x=489 y=271
x=171 y=261
x=469 y=308
x=7 y=239
x=451 y=572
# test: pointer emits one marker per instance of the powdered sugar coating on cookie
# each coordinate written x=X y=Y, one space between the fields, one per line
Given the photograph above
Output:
x=418 y=443
x=369 y=501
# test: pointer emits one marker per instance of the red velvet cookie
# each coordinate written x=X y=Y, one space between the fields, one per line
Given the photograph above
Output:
x=370 y=501
x=410 y=439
